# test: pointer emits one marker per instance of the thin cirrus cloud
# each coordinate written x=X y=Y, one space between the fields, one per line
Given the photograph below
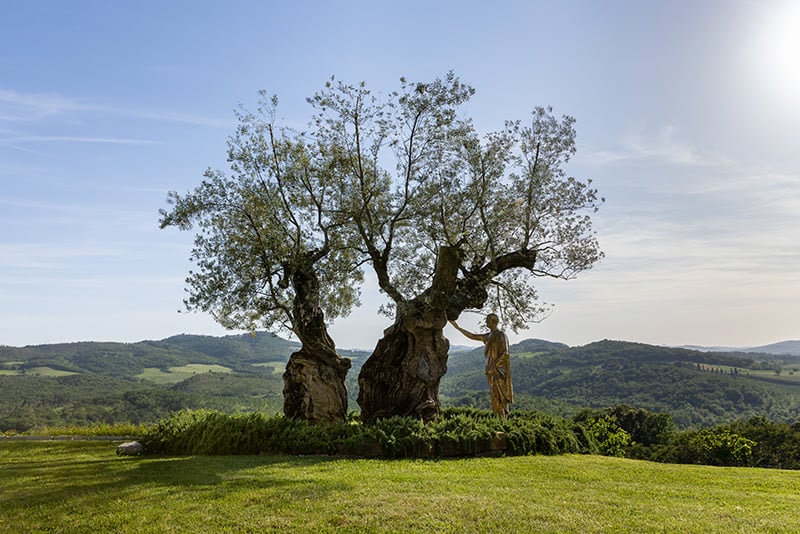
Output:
x=16 y=106
x=689 y=216
x=23 y=139
x=665 y=145
x=53 y=268
x=670 y=168
x=30 y=107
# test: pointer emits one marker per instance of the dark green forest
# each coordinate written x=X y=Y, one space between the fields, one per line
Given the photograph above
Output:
x=89 y=383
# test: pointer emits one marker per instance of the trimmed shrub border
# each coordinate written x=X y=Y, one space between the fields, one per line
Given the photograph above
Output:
x=458 y=432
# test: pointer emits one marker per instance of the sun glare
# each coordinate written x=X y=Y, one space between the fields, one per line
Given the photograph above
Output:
x=777 y=52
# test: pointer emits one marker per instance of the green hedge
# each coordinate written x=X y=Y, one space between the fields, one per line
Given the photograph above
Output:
x=459 y=431
x=617 y=431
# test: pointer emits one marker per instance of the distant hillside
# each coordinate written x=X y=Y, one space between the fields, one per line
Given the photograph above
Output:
x=129 y=360
x=783 y=348
x=79 y=383
x=92 y=382
x=697 y=388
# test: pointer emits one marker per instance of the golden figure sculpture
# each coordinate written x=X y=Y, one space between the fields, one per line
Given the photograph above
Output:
x=498 y=367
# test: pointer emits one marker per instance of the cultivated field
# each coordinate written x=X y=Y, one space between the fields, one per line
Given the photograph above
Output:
x=173 y=375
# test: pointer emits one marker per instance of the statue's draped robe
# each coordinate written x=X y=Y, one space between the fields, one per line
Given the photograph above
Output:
x=498 y=371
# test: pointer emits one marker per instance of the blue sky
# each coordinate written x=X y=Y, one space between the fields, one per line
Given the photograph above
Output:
x=688 y=119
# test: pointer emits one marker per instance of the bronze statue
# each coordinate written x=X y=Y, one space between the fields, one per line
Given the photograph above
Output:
x=498 y=367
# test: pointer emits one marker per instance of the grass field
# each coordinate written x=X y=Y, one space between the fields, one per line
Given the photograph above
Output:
x=80 y=486
x=788 y=375
x=278 y=367
x=178 y=374
x=38 y=371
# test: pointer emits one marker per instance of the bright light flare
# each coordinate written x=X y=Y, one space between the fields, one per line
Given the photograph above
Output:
x=776 y=52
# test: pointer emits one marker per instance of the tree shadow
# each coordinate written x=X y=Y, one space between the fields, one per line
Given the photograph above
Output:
x=90 y=476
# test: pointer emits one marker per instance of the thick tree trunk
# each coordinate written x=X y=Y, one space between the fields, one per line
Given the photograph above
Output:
x=313 y=383
x=314 y=387
x=402 y=375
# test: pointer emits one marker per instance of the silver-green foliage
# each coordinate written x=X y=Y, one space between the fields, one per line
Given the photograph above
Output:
x=272 y=216
x=387 y=179
x=419 y=176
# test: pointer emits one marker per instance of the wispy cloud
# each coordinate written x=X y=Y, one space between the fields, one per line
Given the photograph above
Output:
x=29 y=257
x=72 y=139
x=665 y=145
x=16 y=106
x=25 y=107
x=674 y=176
x=687 y=229
x=181 y=118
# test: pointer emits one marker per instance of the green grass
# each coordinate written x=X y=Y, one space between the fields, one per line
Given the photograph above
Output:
x=48 y=371
x=788 y=374
x=278 y=367
x=525 y=355
x=83 y=487
x=38 y=371
x=173 y=375
x=96 y=429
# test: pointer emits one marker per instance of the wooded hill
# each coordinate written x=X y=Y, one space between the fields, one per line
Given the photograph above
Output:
x=84 y=383
x=696 y=388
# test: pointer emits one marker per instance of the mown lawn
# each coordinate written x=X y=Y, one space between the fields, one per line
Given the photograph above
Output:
x=79 y=486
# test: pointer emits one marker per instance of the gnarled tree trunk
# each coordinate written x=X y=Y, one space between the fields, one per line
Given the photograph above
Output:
x=313 y=383
x=401 y=376
x=314 y=387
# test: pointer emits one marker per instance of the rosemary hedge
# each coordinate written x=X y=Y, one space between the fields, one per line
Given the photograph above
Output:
x=458 y=431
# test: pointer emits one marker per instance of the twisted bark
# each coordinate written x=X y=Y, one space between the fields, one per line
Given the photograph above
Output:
x=314 y=387
x=402 y=375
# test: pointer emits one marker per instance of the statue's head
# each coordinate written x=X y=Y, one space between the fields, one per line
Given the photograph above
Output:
x=492 y=320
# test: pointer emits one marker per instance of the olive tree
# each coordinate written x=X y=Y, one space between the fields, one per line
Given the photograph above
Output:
x=270 y=253
x=449 y=220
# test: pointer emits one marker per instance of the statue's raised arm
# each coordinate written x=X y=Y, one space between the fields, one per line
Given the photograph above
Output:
x=498 y=366
x=467 y=333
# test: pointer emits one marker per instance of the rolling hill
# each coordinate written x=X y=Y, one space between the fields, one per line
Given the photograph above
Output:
x=786 y=348
x=90 y=382
x=697 y=388
x=80 y=383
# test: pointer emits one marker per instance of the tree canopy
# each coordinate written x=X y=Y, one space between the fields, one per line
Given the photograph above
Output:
x=272 y=254
x=448 y=218
x=273 y=216
x=419 y=177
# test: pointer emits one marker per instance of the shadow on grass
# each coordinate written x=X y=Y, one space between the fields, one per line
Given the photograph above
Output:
x=91 y=476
